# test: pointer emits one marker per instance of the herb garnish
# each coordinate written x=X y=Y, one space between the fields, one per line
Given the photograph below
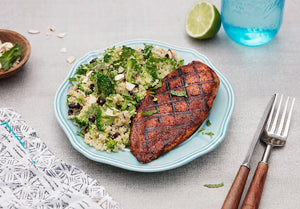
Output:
x=9 y=57
x=208 y=123
x=71 y=80
x=214 y=185
x=201 y=130
x=148 y=113
x=179 y=93
x=211 y=134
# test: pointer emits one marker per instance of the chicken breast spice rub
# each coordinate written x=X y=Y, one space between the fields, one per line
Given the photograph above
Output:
x=169 y=115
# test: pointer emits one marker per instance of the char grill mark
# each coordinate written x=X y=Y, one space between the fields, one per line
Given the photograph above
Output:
x=178 y=117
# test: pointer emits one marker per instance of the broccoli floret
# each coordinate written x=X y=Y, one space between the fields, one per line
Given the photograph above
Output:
x=104 y=85
x=131 y=68
x=106 y=58
x=147 y=51
x=150 y=70
x=110 y=143
x=81 y=70
x=127 y=52
x=102 y=120
x=80 y=121
x=98 y=115
x=82 y=118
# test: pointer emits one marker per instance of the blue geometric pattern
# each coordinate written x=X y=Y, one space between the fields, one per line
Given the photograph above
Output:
x=32 y=177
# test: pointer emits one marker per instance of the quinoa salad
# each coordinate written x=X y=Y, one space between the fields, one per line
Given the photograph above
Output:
x=104 y=93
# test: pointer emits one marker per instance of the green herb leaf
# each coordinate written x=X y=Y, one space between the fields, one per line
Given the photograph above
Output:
x=71 y=80
x=157 y=85
x=208 y=123
x=186 y=85
x=179 y=93
x=9 y=57
x=183 y=117
x=214 y=185
x=148 y=113
x=211 y=134
x=201 y=130
x=110 y=143
x=152 y=93
x=104 y=85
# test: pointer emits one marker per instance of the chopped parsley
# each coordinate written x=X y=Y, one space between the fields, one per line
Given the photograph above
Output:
x=71 y=80
x=201 y=130
x=214 y=185
x=183 y=117
x=208 y=123
x=179 y=93
x=148 y=113
x=211 y=134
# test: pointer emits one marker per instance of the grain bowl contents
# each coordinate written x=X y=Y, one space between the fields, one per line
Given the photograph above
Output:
x=10 y=55
x=103 y=96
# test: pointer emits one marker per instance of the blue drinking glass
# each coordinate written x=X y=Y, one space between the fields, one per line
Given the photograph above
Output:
x=252 y=22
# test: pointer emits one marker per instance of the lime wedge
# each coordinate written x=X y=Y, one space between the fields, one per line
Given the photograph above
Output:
x=203 y=20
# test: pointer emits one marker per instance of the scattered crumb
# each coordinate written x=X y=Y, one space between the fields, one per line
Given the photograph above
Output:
x=71 y=59
x=63 y=50
x=33 y=31
x=62 y=35
x=52 y=29
x=48 y=35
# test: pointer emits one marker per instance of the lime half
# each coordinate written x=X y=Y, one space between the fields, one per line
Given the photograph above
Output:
x=203 y=20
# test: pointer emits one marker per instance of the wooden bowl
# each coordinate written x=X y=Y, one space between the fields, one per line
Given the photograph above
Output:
x=14 y=37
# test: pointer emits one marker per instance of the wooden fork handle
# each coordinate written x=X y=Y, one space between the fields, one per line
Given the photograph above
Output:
x=234 y=195
x=255 y=190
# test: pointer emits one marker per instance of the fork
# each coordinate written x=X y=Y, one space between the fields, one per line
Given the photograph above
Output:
x=275 y=134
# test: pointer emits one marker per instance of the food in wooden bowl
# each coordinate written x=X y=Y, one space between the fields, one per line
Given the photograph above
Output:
x=14 y=52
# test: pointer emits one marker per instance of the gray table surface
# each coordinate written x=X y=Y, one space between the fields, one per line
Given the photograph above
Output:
x=254 y=72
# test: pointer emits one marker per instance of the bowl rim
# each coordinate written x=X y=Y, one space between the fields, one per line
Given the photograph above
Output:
x=26 y=55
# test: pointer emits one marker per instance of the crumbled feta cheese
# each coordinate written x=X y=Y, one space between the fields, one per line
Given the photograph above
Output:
x=129 y=86
x=121 y=69
x=110 y=112
x=119 y=77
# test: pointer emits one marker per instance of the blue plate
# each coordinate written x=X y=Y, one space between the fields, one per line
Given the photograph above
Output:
x=197 y=145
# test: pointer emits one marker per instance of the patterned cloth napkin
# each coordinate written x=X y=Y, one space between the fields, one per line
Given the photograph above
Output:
x=32 y=177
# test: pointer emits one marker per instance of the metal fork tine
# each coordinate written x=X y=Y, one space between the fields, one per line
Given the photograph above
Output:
x=271 y=113
x=276 y=116
x=280 y=127
x=288 y=121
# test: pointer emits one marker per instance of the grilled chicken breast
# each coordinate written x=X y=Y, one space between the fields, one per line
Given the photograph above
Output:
x=175 y=118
